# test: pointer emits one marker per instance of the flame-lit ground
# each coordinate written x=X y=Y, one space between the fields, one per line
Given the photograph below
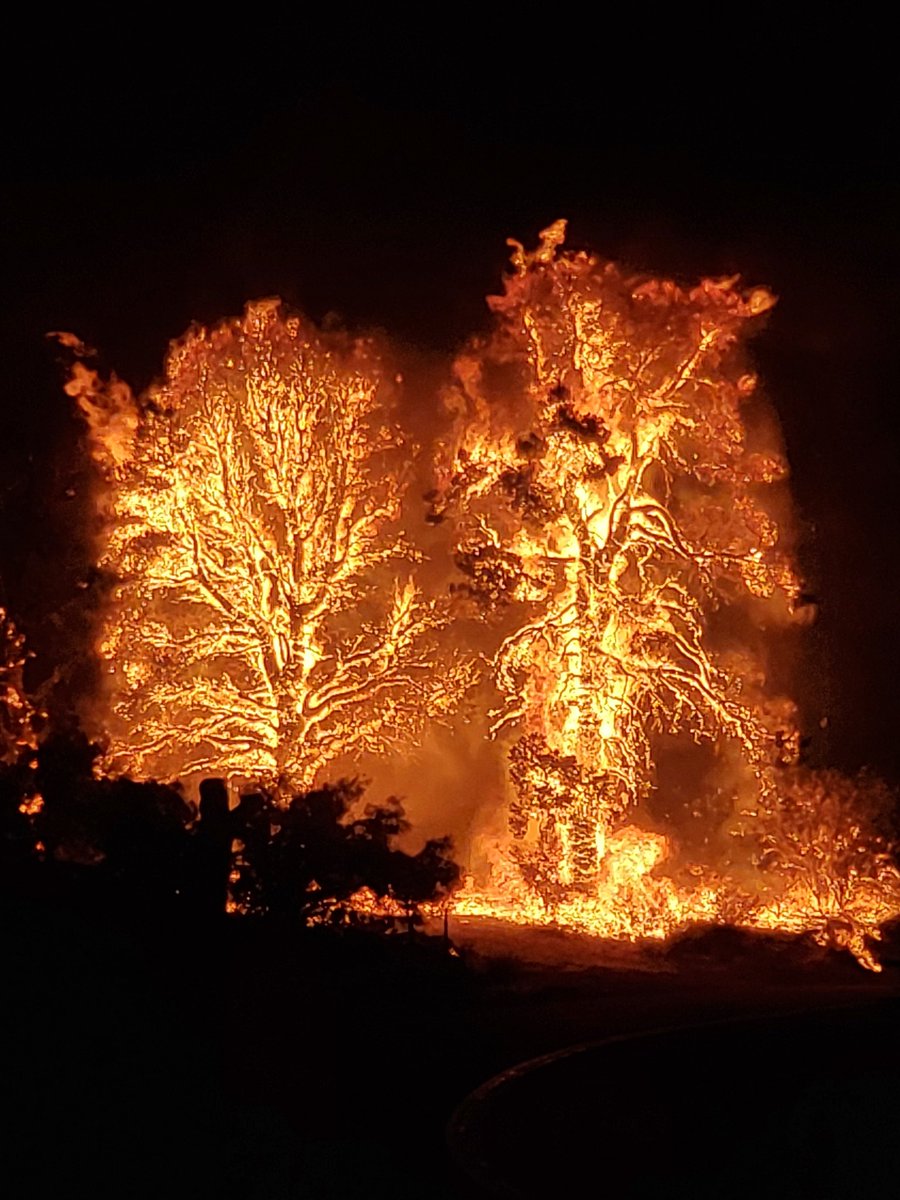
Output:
x=599 y=575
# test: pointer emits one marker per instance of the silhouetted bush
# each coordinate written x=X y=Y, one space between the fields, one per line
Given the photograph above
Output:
x=307 y=860
x=145 y=844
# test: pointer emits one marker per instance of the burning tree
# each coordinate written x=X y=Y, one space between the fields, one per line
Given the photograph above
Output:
x=19 y=800
x=607 y=498
x=264 y=614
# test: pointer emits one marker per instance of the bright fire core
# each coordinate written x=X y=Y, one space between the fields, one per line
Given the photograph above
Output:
x=608 y=487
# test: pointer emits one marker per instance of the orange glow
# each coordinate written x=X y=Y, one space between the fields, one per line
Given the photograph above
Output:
x=612 y=516
x=31 y=806
x=615 y=506
x=17 y=714
x=266 y=616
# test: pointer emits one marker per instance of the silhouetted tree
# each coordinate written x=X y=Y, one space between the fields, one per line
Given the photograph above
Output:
x=424 y=877
x=135 y=834
x=211 y=859
x=305 y=865
x=65 y=764
x=306 y=861
x=145 y=844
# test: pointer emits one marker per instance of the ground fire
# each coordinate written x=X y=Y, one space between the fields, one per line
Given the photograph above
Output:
x=612 y=495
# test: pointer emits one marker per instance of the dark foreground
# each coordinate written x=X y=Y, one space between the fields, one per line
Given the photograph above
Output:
x=245 y=1060
x=774 y=1106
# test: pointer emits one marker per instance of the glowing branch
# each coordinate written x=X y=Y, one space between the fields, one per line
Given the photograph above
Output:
x=253 y=503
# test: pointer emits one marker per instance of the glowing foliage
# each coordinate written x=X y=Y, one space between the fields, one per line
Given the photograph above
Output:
x=265 y=616
x=829 y=839
x=601 y=478
x=17 y=733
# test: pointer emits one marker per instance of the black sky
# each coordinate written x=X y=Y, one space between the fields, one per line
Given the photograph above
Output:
x=149 y=185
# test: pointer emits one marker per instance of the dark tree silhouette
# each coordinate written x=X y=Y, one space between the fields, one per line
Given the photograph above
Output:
x=144 y=846
x=305 y=862
x=134 y=835
x=424 y=877
x=211 y=859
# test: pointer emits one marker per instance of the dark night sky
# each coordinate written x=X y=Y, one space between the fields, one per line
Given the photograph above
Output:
x=380 y=179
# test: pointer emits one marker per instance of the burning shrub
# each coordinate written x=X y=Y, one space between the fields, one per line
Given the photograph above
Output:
x=831 y=840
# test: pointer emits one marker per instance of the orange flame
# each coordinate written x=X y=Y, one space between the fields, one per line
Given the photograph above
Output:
x=613 y=511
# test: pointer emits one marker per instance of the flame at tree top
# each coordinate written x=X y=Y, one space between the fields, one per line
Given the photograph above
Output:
x=265 y=616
